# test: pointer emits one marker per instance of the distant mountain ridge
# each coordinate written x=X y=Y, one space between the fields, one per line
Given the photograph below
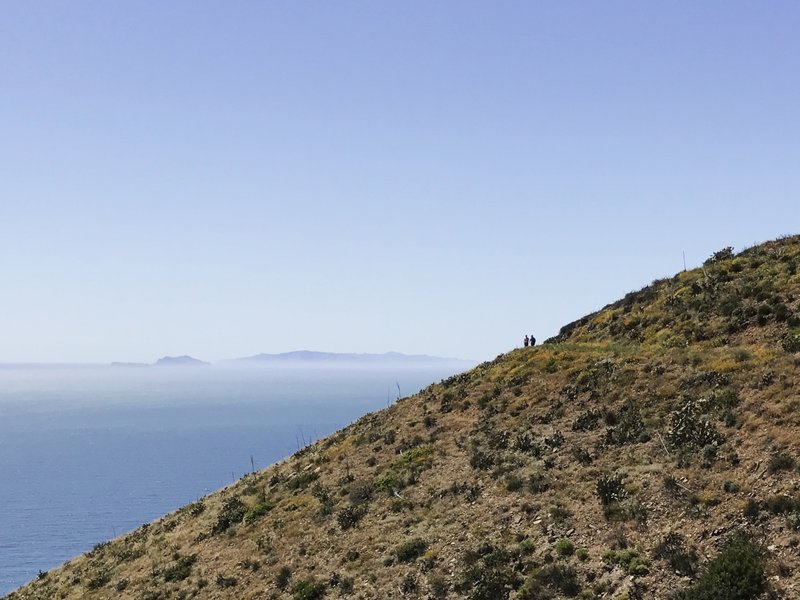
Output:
x=302 y=356
x=316 y=356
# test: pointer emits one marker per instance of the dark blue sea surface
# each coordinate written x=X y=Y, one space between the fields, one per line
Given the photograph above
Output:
x=88 y=453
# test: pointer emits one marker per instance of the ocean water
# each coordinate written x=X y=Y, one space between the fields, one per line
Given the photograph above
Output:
x=88 y=453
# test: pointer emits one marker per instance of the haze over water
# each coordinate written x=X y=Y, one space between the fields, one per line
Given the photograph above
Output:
x=90 y=452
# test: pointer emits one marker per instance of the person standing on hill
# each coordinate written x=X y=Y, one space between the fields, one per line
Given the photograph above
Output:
x=533 y=341
x=526 y=341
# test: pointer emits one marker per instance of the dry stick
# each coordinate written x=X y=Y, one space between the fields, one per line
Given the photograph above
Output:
x=663 y=444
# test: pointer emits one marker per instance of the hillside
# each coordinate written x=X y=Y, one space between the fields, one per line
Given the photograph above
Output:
x=647 y=451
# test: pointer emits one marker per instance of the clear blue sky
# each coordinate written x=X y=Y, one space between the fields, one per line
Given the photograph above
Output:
x=227 y=178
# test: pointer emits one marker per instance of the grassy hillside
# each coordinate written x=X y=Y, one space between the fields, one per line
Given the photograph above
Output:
x=647 y=451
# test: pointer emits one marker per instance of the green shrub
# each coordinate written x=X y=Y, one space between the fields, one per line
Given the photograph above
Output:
x=720 y=255
x=690 y=429
x=790 y=342
x=610 y=489
x=731 y=487
x=490 y=574
x=629 y=559
x=349 y=516
x=565 y=547
x=99 y=580
x=301 y=481
x=737 y=573
x=283 y=577
x=308 y=589
x=411 y=549
x=360 y=493
x=514 y=482
x=555 y=577
x=196 y=508
x=258 y=511
x=389 y=483
x=559 y=513
x=629 y=428
x=587 y=421
x=232 y=513
x=752 y=508
x=180 y=569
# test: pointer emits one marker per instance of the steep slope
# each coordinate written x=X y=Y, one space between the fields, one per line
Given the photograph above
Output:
x=647 y=450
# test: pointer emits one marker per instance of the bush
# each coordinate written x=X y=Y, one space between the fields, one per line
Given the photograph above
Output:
x=550 y=578
x=565 y=547
x=629 y=559
x=349 y=516
x=258 y=511
x=438 y=585
x=360 y=493
x=413 y=548
x=690 y=429
x=514 y=483
x=610 y=489
x=629 y=427
x=409 y=584
x=752 y=508
x=537 y=483
x=99 y=580
x=587 y=421
x=283 y=577
x=781 y=462
x=559 y=513
x=737 y=573
x=781 y=504
x=232 y=513
x=730 y=486
x=301 y=481
x=180 y=569
x=308 y=589
x=225 y=582
x=790 y=342
x=720 y=255
x=490 y=574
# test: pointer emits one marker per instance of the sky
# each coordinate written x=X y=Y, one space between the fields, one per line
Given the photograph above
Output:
x=227 y=178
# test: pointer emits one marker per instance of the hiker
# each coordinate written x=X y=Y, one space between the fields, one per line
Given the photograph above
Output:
x=533 y=341
x=526 y=341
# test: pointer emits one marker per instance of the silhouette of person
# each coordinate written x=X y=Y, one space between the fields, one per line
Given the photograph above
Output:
x=526 y=341
x=533 y=341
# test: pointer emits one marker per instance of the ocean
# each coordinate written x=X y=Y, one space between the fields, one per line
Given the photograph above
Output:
x=90 y=452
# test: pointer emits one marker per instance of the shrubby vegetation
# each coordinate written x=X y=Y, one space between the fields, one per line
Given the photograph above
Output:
x=736 y=573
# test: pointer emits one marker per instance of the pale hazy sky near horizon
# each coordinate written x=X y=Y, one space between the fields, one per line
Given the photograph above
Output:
x=226 y=178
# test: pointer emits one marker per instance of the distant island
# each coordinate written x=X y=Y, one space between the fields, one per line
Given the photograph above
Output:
x=310 y=356
x=180 y=361
x=305 y=357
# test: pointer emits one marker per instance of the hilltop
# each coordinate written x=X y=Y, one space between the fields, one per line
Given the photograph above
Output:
x=649 y=450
